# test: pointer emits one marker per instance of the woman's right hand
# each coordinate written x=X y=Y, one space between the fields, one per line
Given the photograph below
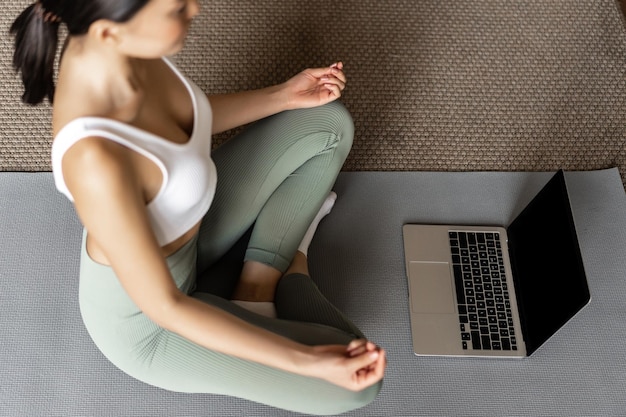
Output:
x=355 y=367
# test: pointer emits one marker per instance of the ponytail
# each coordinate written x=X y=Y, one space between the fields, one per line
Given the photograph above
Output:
x=36 y=34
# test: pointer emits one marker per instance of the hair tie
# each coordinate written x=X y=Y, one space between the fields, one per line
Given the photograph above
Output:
x=46 y=15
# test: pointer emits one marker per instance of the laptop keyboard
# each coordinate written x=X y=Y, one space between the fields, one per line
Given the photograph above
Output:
x=482 y=293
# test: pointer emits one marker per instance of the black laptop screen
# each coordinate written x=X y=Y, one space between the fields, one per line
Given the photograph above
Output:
x=547 y=266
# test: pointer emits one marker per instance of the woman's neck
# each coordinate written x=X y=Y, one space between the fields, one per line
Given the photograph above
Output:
x=98 y=82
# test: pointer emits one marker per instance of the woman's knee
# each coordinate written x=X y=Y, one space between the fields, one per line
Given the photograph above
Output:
x=341 y=122
x=326 y=128
x=335 y=121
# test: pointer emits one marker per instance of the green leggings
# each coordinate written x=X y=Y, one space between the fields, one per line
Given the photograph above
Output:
x=272 y=180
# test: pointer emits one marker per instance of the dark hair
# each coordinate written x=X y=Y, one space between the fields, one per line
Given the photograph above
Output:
x=36 y=32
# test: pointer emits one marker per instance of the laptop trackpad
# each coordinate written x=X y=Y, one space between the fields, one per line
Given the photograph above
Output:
x=431 y=288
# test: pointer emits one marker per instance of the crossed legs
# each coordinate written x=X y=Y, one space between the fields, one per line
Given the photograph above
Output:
x=278 y=176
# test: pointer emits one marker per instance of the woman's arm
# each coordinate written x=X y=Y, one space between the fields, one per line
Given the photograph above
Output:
x=310 y=88
x=109 y=201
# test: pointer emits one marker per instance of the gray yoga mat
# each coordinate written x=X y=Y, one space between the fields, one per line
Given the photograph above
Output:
x=51 y=368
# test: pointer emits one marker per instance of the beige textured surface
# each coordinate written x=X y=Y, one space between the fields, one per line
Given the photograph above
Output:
x=433 y=85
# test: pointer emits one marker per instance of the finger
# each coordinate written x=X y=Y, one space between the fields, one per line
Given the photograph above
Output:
x=332 y=83
x=335 y=71
x=338 y=349
x=368 y=345
x=366 y=376
x=321 y=72
x=356 y=347
x=374 y=366
x=362 y=361
x=359 y=350
x=381 y=364
x=354 y=343
x=333 y=80
x=334 y=91
x=376 y=371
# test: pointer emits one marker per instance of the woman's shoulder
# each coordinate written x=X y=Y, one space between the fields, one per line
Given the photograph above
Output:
x=81 y=97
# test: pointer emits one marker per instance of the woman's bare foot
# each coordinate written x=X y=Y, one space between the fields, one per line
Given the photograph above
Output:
x=256 y=288
x=258 y=281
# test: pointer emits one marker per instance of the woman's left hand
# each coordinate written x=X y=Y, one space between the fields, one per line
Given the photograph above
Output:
x=315 y=87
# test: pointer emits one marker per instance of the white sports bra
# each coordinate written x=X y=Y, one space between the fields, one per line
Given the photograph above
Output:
x=189 y=174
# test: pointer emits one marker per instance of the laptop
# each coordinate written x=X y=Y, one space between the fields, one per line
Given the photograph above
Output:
x=496 y=291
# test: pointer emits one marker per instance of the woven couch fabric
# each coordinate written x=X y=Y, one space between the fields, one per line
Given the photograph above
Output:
x=433 y=85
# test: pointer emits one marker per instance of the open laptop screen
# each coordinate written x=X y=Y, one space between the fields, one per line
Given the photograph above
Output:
x=549 y=276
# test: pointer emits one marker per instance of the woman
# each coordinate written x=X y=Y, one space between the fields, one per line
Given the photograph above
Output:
x=132 y=151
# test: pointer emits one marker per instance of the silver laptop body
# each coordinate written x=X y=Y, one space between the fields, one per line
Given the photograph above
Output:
x=451 y=316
